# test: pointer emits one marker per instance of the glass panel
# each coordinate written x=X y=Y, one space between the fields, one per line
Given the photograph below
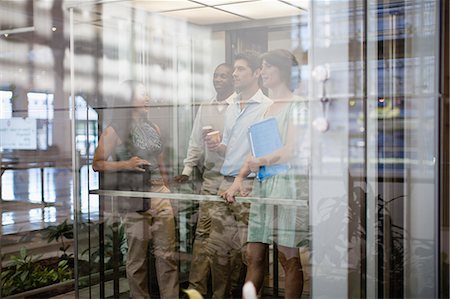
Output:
x=337 y=196
x=363 y=154
x=402 y=103
x=157 y=82
x=36 y=176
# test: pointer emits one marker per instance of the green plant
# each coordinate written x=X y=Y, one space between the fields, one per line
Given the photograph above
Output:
x=108 y=246
x=24 y=273
x=63 y=271
x=18 y=275
x=58 y=233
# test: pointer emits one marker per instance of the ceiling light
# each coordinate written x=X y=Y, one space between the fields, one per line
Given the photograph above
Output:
x=157 y=6
x=220 y=2
x=204 y=16
x=303 y=4
x=262 y=9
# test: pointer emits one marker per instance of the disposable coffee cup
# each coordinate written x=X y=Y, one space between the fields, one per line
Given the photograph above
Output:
x=214 y=136
x=206 y=130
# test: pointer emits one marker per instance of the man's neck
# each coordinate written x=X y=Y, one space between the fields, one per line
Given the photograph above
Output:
x=248 y=93
x=223 y=96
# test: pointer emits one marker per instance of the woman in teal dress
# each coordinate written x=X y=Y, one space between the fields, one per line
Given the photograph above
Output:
x=287 y=227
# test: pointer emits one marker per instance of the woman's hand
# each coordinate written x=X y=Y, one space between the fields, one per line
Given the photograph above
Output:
x=236 y=188
x=136 y=164
x=254 y=163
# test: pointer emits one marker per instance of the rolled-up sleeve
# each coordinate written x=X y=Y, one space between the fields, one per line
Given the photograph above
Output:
x=196 y=149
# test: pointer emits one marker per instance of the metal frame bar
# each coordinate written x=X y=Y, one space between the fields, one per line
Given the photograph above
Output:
x=197 y=197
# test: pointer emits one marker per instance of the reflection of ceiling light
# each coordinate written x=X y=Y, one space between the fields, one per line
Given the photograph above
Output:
x=17 y=30
x=6 y=34
x=53 y=28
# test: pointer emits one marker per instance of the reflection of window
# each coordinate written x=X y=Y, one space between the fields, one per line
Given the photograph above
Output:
x=40 y=107
x=5 y=104
x=83 y=110
x=86 y=137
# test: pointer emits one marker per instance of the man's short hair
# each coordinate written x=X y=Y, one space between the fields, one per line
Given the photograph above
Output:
x=253 y=59
x=227 y=65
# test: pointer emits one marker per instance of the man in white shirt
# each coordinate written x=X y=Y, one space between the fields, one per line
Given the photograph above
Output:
x=247 y=108
x=210 y=117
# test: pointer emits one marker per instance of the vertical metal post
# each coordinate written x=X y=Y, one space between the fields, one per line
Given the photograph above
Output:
x=42 y=186
x=443 y=164
x=101 y=248
x=275 y=257
x=116 y=259
x=75 y=177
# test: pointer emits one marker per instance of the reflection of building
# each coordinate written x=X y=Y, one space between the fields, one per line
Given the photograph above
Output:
x=383 y=160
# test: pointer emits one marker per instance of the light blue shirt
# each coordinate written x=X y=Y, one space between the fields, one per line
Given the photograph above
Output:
x=235 y=134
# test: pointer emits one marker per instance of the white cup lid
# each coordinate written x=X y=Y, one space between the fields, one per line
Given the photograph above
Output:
x=213 y=133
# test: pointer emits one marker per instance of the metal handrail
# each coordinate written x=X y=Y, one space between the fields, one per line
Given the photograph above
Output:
x=302 y=202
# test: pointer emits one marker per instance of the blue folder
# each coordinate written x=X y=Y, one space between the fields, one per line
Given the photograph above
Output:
x=265 y=138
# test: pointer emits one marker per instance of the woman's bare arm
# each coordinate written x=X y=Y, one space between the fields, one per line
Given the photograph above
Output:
x=106 y=145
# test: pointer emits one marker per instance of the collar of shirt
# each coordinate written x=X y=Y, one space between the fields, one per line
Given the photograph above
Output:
x=223 y=104
x=258 y=97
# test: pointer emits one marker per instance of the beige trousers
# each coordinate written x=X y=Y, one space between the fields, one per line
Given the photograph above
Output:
x=227 y=242
x=157 y=224
x=200 y=265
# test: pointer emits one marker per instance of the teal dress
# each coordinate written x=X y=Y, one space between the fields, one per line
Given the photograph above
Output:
x=289 y=225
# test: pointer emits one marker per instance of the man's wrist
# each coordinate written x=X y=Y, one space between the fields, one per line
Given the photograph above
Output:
x=187 y=170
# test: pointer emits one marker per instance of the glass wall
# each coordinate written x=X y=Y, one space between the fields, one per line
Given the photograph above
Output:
x=383 y=95
x=153 y=147
x=176 y=64
x=403 y=95
x=36 y=238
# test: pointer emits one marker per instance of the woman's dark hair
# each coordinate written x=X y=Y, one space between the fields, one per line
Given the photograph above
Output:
x=286 y=62
x=120 y=111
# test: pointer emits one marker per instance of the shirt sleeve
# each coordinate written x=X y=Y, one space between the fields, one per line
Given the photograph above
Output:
x=196 y=148
x=227 y=126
